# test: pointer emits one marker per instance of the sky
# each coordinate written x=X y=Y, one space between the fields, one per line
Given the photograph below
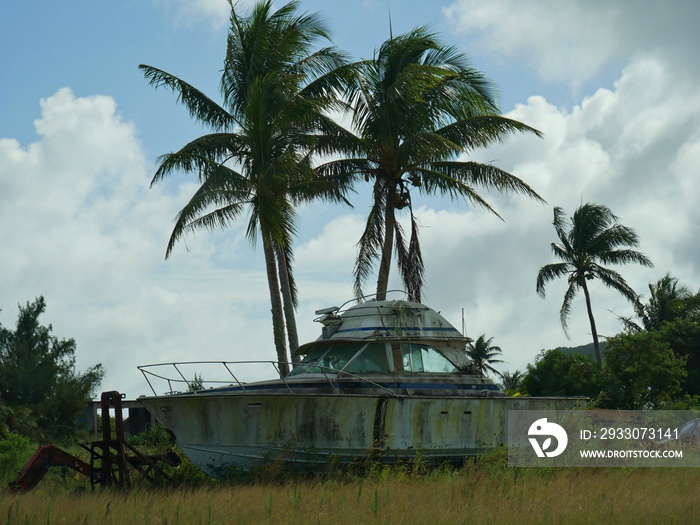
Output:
x=613 y=87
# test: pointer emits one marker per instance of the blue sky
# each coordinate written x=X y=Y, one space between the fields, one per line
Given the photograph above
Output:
x=613 y=86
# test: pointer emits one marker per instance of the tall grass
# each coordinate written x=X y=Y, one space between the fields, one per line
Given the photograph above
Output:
x=475 y=494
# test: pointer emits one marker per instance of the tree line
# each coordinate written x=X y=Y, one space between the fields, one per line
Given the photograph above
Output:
x=654 y=362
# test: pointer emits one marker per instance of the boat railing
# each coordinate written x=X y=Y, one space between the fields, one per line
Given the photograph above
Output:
x=173 y=375
x=337 y=310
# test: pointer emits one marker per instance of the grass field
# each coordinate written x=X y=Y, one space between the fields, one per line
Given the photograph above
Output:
x=480 y=493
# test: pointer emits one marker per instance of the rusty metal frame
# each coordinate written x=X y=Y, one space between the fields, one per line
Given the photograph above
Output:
x=110 y=458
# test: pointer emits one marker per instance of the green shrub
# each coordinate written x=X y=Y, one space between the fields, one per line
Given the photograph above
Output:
x=154 y=437
x=15 y=451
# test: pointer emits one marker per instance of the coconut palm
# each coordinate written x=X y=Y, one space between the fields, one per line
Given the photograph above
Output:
x=669 y=300
x=483 y=354
x=276 y=91
x=594 y=237
x=512 y=381
x=417 y=106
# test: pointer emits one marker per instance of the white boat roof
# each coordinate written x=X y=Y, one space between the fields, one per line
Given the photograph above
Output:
x=384 y=320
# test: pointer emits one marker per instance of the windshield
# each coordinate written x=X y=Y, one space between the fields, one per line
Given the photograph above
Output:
x=372 y=359
x=354 y=358
x=366 y=358
x=327 y=359
x=423 y=358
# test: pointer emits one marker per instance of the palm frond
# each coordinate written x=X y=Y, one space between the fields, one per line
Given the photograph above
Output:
x=433 y=181
x=371 y=241
x=200 y=106
x=193 y=217
x=589 y=223
x=410 y=259
x=550 y=272
x=559 y=223
x=483 y=130
x=562 y=252
x=626 y=257
x=200 y=155
x=614 y=280
x=565 y=310
x=486 y=176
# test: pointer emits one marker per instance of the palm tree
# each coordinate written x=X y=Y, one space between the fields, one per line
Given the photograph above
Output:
x=668 y=301
x=416 y=107
x=276 y=93
x=594 y=237
x=512 y=381
x=483 y=354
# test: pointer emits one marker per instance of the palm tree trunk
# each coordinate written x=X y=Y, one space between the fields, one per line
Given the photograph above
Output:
x=594 y=332
x=388 y=246
x=276 y=302
x=292 y=334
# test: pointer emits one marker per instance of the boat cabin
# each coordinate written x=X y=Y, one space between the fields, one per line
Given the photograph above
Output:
x=384 y=337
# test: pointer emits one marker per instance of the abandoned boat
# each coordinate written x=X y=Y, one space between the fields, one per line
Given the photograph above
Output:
x=386 y=378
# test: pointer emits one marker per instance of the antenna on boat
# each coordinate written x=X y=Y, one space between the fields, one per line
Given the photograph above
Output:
x=329 y=319
x=329 y=310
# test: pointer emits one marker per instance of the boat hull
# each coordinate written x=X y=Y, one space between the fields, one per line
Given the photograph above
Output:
x=223 y=431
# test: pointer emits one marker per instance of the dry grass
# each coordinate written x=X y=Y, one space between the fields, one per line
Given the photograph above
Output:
x=469 y=496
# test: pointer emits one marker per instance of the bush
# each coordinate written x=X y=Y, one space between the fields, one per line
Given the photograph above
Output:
x=558 y=374
x=154 y=437
x=15 y=451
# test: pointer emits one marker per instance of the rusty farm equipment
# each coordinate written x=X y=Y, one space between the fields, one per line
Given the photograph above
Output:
x=111 y=459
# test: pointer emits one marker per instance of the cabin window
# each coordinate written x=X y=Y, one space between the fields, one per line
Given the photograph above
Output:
x=372 y=359
x=353 y=358
x=338 y=356
x=423 y=358
x=307 y=364
x=327 y=359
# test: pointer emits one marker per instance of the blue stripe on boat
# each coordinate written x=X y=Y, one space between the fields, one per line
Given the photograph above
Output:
x=403 y=328
x=282 y=386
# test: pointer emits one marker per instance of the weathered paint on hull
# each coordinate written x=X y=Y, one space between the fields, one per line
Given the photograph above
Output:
x=218 y=432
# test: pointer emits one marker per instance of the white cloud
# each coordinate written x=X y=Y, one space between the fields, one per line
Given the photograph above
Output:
x=519 y=31
x=573 y=40
x=81 y=227
x=213 y=12
x=334 y=249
